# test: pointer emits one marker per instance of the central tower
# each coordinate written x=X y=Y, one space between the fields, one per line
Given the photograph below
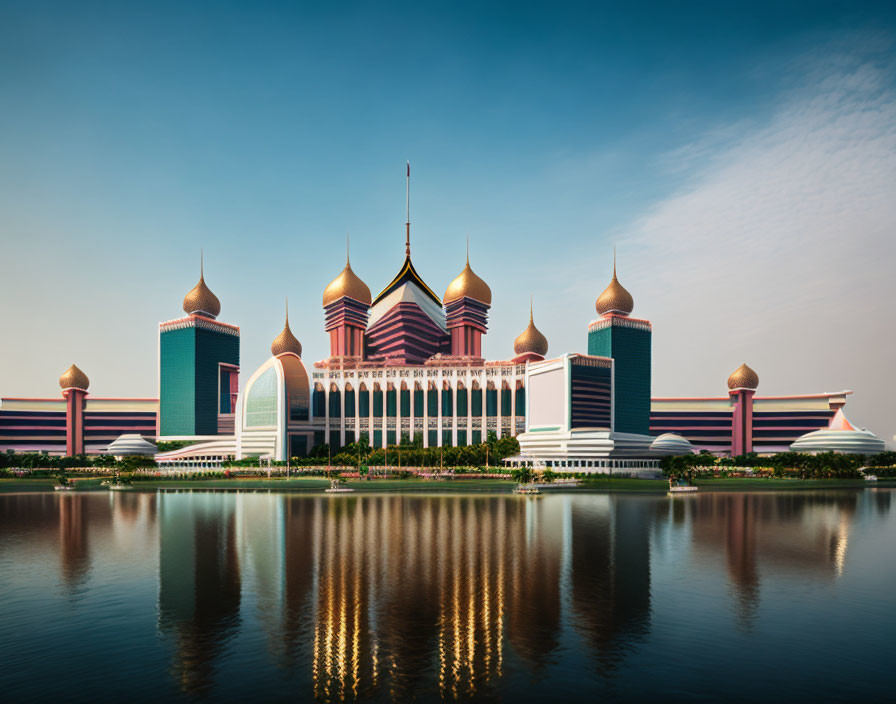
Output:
x=407 y=322
x=628 y=341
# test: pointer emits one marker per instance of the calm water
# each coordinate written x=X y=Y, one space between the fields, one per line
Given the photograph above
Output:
x=785 y=596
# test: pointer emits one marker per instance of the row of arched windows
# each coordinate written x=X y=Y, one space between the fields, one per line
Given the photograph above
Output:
x=469 y=402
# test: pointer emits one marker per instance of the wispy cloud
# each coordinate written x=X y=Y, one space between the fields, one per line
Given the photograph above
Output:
x=781 y=249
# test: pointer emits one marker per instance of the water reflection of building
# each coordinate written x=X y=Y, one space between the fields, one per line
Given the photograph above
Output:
x=199 y=581
x=412 y=592
x=298 y=573
x=797 y=533
x=611 y=572
x=74 y=550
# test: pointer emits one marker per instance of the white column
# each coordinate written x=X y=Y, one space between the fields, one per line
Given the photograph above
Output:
x=370 y=413
x=342 y=413
x=398 y=414
x=500 y=387
x=357 y=412
x=439 y=391
x=386 y=414
x=483 y=389
x=454 y=413
x=426 y=413
x=411 y=392
x=327 y=410
x=469 y=409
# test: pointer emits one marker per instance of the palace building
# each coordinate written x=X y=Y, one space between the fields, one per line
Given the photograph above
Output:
x=408 y=364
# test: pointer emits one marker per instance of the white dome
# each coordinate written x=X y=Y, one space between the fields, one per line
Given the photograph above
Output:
x=671 y=444
x=861 y=442
x=131 y=444
x=839 y=436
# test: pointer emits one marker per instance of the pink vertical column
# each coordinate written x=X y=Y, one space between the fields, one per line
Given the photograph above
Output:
x=74 y=421
x=742 y=421
x=748 y=419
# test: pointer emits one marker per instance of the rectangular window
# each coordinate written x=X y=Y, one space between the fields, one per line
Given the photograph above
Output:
x=432 y=400
x=418 y=402
x=405 y=402
x=461 y=402
x=476 y=402
x=378 y=405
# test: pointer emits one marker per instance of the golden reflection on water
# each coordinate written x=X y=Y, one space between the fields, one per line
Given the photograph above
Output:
x=397 y=595
x=381 y=557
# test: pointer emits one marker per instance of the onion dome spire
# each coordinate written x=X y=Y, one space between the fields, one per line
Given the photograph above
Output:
x=468 y=284
x=531 y=341
x=743 y=378
x=348 y=283
x=200 y=299
x=615 y=299
x=74 y=378
x=286 y=342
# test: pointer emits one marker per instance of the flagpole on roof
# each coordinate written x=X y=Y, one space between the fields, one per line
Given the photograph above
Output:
x=407 y=242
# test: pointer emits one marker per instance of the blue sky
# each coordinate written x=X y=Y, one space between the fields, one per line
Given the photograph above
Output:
x=742 y=157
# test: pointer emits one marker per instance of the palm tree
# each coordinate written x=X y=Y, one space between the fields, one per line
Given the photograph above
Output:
x=523 y=475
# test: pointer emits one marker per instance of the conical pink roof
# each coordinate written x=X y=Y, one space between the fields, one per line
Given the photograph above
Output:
x=839 y=422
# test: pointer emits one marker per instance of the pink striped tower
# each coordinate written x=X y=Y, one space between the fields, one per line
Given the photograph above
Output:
x=742 y=386
x=467 y=301
x=74 y=383
x=346 y=308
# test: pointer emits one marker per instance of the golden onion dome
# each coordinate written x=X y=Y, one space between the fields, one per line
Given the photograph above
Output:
x=468 y=284
x=743 y=378
x=531 y=341
x=200 y=299
x=348 y=283
x=615 y=299
x=286 y=342
x=74 y=378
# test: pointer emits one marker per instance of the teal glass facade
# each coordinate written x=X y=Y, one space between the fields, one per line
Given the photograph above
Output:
x=189 y=378
x=630 y=348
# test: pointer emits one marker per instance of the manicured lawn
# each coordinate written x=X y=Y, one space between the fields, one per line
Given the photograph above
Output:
x=760 y=484
x=41 y=484
x=317 y=484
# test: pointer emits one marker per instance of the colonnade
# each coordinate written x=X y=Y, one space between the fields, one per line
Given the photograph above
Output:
x=507 y=418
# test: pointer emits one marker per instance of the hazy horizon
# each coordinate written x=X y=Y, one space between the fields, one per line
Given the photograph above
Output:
x=742 y=161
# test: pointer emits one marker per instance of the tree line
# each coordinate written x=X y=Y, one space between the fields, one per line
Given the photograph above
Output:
x=407 y=453
x=783 y=464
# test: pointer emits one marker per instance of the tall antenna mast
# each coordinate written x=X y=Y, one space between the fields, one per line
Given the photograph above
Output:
x=407 y=241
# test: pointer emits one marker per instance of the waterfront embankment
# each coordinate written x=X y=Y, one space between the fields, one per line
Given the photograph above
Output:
x=318 y=484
